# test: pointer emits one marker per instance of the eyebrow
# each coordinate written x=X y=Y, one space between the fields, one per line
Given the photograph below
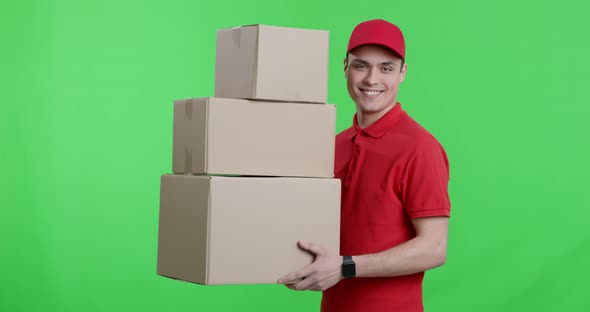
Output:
x=358 y=60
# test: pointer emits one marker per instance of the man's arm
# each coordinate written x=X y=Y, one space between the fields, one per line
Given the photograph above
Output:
x=426 y=251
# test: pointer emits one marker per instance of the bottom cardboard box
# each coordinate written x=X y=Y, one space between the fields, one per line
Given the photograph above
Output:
x=243 y=230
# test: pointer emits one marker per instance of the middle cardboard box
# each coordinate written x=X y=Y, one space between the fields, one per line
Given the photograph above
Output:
x=243 y=137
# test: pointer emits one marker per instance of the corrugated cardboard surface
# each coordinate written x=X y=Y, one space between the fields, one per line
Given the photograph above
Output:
x=253 y=138
x=235 y=62
x=190 y=132
x=292 y=64
x=272 y=63
x=183 y=227
x=253 y=225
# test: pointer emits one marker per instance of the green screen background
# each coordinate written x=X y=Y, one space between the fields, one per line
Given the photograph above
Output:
x=86 y=131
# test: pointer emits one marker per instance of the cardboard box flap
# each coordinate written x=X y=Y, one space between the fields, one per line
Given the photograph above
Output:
x=273 y=26
x=241 y=26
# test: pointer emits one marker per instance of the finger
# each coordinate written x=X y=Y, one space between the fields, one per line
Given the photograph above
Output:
x=292 y=282
x=295 y=281
x=312 y=248
x=296 y=276
x=306 y=284
x=291 y=286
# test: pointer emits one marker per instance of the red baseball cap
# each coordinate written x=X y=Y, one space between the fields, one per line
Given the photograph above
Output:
x=378 y=32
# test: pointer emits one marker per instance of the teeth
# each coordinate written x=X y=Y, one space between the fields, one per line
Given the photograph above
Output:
x=371 y=93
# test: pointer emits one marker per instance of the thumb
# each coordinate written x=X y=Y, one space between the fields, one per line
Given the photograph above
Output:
x=309 y=247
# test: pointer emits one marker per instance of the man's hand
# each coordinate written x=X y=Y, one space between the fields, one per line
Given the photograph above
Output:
x=322 y=274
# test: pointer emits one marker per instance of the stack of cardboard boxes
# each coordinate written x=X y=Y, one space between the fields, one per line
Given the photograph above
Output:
x=253 y=166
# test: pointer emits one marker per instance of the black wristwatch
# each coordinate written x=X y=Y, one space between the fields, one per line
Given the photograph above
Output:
x=348 y=267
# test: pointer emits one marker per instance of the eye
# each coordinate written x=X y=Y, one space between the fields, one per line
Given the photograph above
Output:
x=387 y=69
x=359 y=66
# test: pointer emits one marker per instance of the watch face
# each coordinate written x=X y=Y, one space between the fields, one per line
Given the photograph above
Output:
x=348 y=271
x=348 y=267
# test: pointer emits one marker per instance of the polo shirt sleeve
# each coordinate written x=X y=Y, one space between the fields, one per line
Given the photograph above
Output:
x=425 y=181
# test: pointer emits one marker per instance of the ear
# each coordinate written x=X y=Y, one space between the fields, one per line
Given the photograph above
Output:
x=345 y=68
x=403 y=72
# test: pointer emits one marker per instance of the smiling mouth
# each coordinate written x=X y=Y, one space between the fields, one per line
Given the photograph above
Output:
x=371 y=93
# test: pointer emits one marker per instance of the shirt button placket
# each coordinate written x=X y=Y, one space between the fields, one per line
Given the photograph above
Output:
x=352 y=167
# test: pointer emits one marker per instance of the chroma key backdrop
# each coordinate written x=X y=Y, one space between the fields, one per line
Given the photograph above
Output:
x=86 y=131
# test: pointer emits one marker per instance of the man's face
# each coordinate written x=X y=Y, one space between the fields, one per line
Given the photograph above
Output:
x=373 y=77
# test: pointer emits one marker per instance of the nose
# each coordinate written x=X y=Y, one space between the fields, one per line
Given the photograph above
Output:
x=371 y=77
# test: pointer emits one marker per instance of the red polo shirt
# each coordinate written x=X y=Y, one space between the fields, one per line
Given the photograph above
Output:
x=391 y=172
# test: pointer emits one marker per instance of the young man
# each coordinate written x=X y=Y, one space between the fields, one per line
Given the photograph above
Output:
x=395 y=203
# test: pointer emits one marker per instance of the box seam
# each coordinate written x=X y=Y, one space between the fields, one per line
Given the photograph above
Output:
x=208 y=240
x=206 y=130
x=256 y=61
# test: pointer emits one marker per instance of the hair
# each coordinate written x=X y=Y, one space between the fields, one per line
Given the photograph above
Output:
x=396 y=54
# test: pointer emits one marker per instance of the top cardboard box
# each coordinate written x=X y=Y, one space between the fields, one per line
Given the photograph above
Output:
x=272 y=63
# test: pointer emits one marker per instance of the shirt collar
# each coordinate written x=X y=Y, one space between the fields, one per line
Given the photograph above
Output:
x=382 y=125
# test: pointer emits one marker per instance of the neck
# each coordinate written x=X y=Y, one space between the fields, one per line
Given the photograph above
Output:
x=366 y=119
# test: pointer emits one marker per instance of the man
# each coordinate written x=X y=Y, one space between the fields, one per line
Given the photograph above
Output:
x=395 y=204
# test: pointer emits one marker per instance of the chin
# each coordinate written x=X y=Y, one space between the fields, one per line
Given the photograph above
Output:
x=372 y=108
